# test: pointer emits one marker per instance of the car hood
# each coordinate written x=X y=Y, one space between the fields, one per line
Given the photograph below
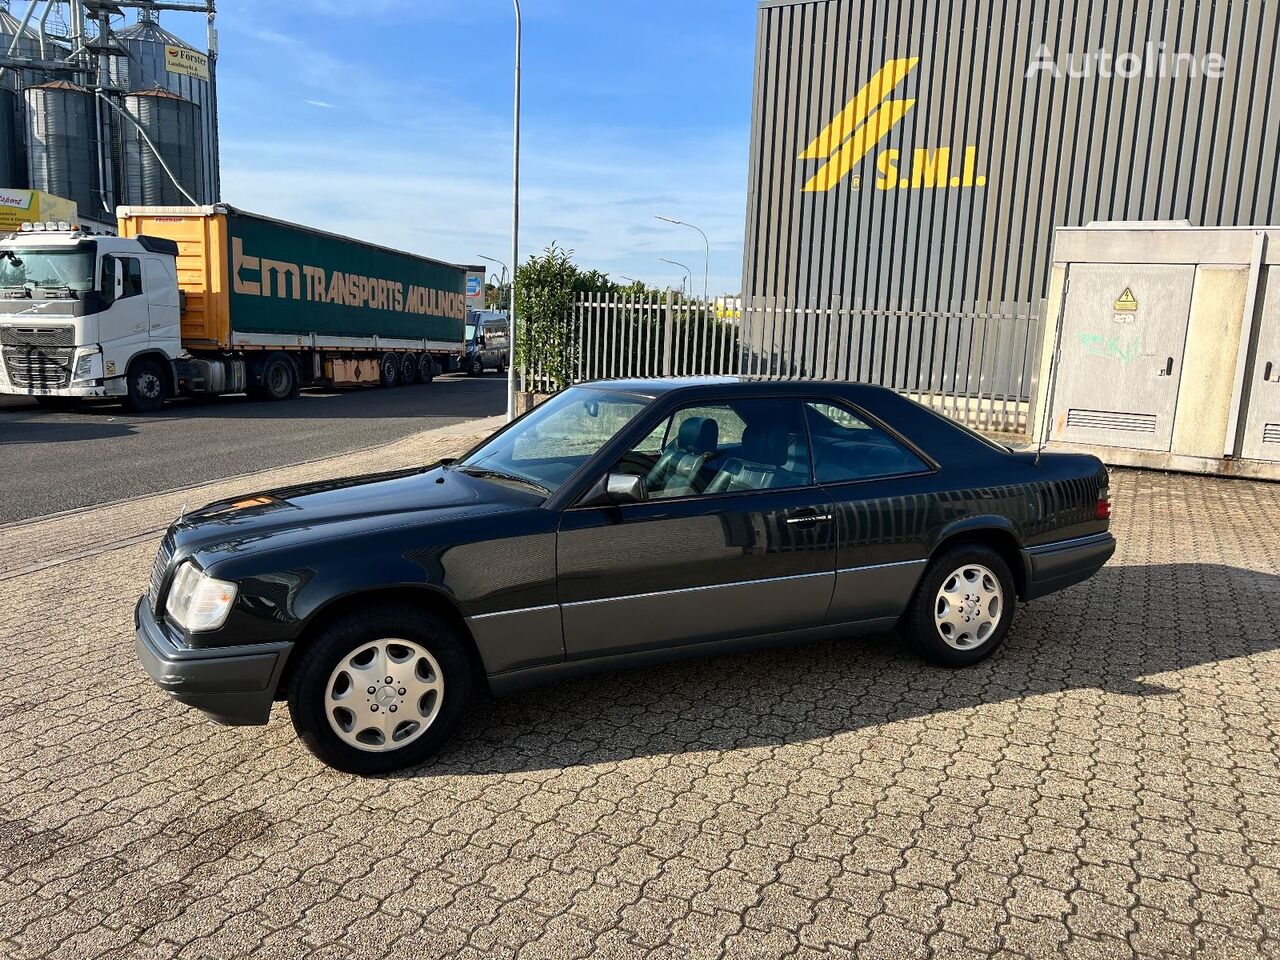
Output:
x=343 y=507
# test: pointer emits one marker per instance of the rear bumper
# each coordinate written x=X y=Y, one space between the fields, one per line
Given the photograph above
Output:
x=1054 y=566
x=233 y=685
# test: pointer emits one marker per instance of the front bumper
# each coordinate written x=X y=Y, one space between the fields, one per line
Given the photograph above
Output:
x=1054 y=566
x=233 y=685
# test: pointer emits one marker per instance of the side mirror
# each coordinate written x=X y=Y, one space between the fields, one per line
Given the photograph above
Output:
x=625 y=488
x=614 y=489
x=112 y=282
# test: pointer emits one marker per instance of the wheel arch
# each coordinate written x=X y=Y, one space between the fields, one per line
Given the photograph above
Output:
x=995 y=533
x=424 y=597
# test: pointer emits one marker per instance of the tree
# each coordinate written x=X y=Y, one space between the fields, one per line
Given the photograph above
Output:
x=546 y=285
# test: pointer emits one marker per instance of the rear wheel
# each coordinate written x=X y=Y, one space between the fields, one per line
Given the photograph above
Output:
x=408 y=368
x=962 y=607
x=147 y=386
x=389 y=370
x=279 y=380
x=426 y=368
x=380 y=690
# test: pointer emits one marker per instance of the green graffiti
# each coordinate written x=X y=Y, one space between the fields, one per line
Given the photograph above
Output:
x=1113 y=348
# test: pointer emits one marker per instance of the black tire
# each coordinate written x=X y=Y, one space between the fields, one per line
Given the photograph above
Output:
x=426 y=368
x=975 y=575
x=475 y=367
x=319 y=661
x=408 y=368
x=148 y=386
x=389 y=370
x=279 y=380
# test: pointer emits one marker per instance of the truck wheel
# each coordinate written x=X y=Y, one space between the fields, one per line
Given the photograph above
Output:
x=147 y=387
x=475 y=367
x=390 y=370
x=279 y=379
x=408 y=368
x=426 y=368
x=962 y=607
x=380 y=689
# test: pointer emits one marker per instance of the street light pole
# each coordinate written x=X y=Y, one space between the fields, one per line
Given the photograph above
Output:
x=515 y=230
x=706 y=263
x=505 y=274
x=677 y=263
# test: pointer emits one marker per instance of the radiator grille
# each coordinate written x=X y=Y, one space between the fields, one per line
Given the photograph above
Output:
x=158 y=571
x=14 y=336
x=1112 y=420
x=47 y=368
x=1271 y=433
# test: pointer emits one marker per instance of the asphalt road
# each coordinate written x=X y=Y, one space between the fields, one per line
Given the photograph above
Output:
x=52 y=461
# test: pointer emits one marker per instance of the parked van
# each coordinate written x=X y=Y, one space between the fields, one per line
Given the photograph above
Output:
x=488 y=342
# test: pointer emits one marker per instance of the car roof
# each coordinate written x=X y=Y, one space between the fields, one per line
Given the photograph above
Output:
x=693 y=386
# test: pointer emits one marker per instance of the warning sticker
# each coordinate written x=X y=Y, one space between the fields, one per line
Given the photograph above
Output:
x=1127 y=302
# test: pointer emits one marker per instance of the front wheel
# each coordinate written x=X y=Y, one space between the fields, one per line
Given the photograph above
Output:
x=962 y=607
x=380 y=690
x=475 y=367
x=146 y=383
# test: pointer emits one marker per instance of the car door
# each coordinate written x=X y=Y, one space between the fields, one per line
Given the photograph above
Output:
x=127 y=323
x=884 y=494
x=735 y=539
x=160 y=288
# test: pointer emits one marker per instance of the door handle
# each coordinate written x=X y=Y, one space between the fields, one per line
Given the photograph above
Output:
x=139 y=327
x=1168 y=368
x=809 y=516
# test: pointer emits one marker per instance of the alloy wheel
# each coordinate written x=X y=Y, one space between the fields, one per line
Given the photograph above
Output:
x=968 y=606
x=384 y=695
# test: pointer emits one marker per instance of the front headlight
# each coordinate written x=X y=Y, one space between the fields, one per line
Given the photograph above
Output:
x=88 y=366
x=197 y=601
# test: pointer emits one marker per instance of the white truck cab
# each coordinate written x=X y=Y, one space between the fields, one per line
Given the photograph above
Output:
x=88 y=316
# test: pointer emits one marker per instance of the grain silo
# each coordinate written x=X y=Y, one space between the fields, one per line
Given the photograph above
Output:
x=173 y=126
x=156 y=58
x=62 y=143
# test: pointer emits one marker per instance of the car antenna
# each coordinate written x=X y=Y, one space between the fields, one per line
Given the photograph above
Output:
x=1053 y=370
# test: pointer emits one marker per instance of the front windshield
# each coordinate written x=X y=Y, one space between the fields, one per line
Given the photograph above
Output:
x=69 y=268
x=471 y=331
x=559 y=436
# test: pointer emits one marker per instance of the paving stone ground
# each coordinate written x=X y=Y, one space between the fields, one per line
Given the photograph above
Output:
x=1106 y=785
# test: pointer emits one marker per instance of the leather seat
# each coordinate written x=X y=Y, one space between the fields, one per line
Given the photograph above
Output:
x=676 y=472
x=766 y=448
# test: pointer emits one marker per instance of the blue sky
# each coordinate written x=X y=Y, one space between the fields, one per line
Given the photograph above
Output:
x=391 y=120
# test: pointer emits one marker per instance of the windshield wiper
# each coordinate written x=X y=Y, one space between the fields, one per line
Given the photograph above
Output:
x=484 y=473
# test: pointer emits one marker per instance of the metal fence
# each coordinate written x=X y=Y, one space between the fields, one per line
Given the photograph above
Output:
x=975 y=367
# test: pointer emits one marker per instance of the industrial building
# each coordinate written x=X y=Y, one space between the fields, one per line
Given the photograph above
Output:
x=910 y=162
x=102 y=106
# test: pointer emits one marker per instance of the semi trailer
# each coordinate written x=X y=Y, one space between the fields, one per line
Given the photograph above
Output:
x=213 y=300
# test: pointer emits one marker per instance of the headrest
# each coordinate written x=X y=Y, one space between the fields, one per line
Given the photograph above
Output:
x=765 y=443
x=698 y=435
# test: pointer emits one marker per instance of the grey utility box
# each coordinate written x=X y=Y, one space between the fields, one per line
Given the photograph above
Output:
x=1162 y=347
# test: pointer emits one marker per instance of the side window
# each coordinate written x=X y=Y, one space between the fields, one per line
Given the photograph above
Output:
x=132 y=276
x=728 y=447
x=847 y=448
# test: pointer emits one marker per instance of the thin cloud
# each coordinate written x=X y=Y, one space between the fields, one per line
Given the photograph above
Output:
x=322 y=104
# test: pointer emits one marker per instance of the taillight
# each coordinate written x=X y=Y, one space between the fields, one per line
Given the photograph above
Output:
x=1102 y=509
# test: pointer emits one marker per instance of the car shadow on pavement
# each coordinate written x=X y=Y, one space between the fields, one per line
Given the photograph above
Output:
x=1123 y=632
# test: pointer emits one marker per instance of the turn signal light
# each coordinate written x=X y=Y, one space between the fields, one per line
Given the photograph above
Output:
x=1102 y=509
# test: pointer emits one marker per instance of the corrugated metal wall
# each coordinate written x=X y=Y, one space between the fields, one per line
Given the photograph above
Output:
x=874 y=272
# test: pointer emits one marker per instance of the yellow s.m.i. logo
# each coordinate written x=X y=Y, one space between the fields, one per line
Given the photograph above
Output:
x=865 y=121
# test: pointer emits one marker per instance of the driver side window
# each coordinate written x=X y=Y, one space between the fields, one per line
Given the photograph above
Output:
x=729 y=447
